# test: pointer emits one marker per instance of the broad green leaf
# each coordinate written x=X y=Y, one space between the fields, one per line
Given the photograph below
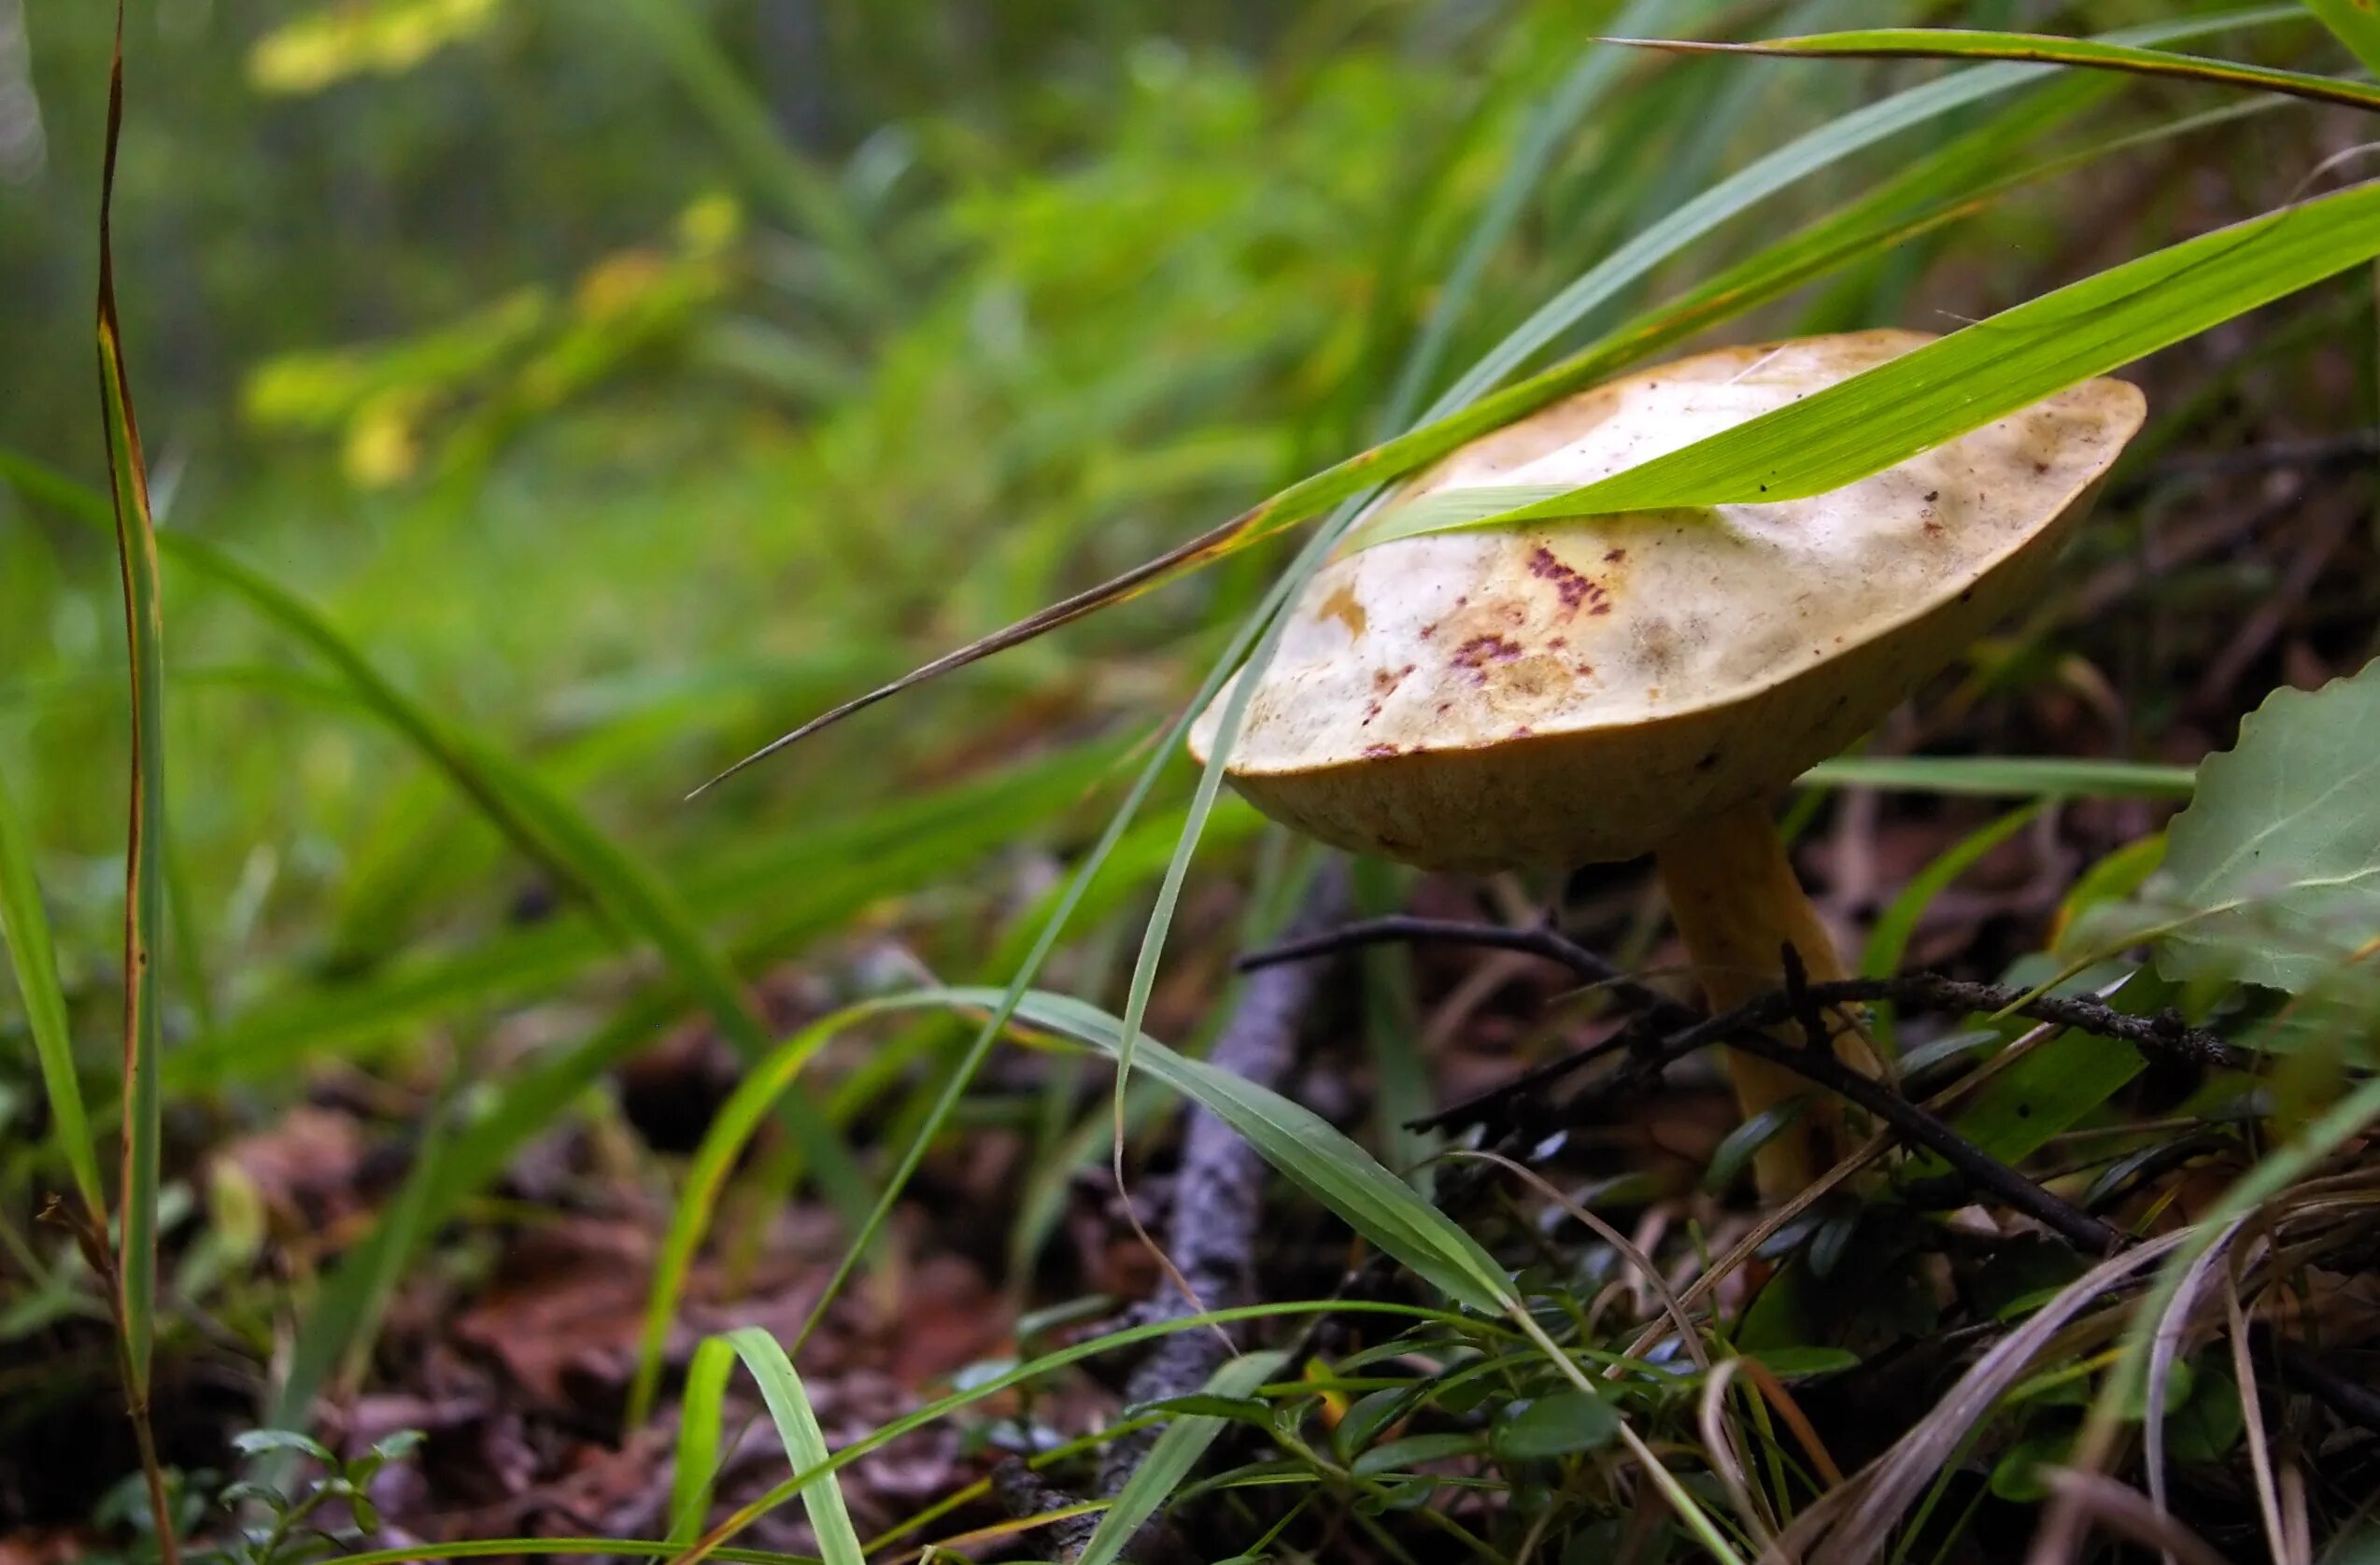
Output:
x=1171 y=1460
x=144 y=871
x=2272 y=876
x=1949 y=43
x=26 y=927
x=1735 y=1151
x=258 y=1442
x=2004 y=776
x=1978 y=374
x=1399 y=1456
x=805 y=1443
x=2357 y=24
x=1794 y=1364
x=1561 y=1424
x=2019 y=1111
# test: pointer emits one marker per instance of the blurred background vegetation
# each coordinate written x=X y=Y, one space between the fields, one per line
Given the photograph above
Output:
x=625 y=380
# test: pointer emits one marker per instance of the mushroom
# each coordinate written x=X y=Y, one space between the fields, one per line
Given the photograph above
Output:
x=1596 y=688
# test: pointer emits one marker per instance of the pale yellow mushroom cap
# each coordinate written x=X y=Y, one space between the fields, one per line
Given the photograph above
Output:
x=1583 y=691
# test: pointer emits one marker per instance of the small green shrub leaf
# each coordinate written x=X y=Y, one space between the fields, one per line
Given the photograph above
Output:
x=2273 y=874
x=1558 y=1425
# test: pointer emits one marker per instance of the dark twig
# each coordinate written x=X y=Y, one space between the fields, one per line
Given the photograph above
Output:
x=1218 y=1208
x=1745 y=1029
x=1979 y=1168
x=1551 y=944
x=2355 y=1402
x=2164 y=1036
x=1024 y=1492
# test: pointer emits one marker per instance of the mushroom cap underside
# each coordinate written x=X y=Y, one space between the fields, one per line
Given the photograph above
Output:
x=1582 y=691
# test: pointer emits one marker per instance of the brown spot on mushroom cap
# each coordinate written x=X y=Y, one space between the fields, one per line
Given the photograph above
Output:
x=1705 y=659
x=1343 y=606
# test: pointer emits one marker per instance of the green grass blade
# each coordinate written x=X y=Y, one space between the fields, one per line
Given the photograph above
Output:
x=560 y=1548
x=2356 y=24
x=722 y=1145
x=143 y=873
x=1804 y=156
x=1947 y=43
x=1981 y=372
x=805 y=1443
x=2006 y=776
x=1171 y=1460
x=700 y=1427
x=1554 y=124
x=25 y=925
x=1304 y=1147
x=939 y=1113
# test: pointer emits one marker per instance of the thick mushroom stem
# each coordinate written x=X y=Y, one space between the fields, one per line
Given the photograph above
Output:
x=1737 y=904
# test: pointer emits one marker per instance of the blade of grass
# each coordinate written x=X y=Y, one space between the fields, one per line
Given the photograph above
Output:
x=2018 y=776
x=1555 y=122
x=1170 y=1460
x=690 y=1217
x=525 y=1104
x=2355 y=24
x=25 y=925
x=962 y=1076
x=1975 y=376
x=1949 y=43
x=701 y=1430
x=563 y=1548
x=135 y=1279
x=925 y=840
x=1304 y=1147
x=805 y=1443
x=1465 y=411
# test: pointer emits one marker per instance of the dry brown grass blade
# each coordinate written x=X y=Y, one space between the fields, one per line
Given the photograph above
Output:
x=134 y=1285
x=2128 y=1512
x=1211 y=545
x=1856 y=1519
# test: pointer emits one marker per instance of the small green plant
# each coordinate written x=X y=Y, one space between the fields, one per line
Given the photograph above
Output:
x=290 y=1530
